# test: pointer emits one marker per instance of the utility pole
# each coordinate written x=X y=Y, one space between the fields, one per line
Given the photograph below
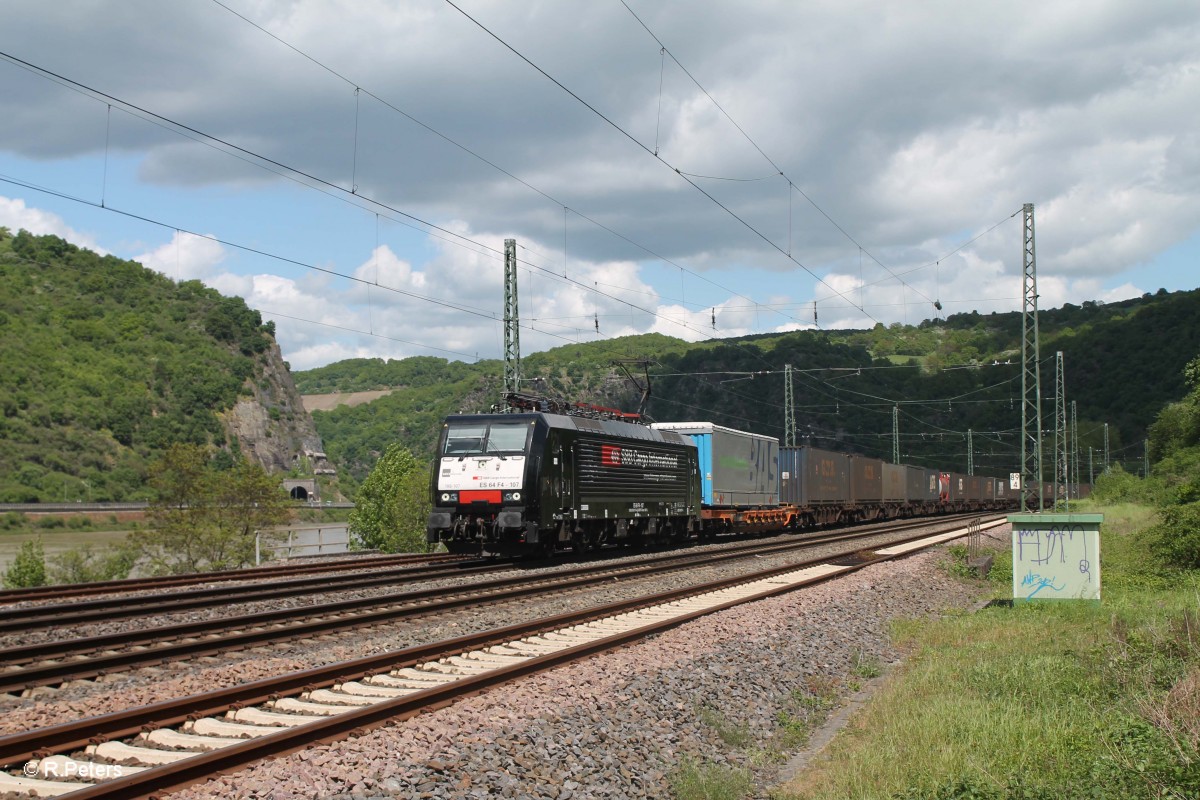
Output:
x=1074 y=451
x=1091 y=468
x=1145 y=458
x=970 y=453
x=512 y=321
x=1061 y=471
x=1031 y=376
x=1106 y=447
x=896 y=434
x=789 y=408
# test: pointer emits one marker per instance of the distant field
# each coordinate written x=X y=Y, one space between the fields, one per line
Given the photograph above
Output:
x=902 y=360
x=328 y=402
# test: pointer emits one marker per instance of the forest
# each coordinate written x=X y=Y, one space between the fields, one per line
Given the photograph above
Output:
x=1123 y=363
x=106 y=365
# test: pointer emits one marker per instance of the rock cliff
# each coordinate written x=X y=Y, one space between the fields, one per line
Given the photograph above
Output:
x=273 y=426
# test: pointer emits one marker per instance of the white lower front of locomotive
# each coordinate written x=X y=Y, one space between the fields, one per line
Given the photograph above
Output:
x=479 y=504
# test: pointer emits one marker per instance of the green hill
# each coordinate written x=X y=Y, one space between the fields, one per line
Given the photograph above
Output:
x=1123 y=363
x=106 y=363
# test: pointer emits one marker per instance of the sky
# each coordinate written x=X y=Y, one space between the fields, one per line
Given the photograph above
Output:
x=696 y=169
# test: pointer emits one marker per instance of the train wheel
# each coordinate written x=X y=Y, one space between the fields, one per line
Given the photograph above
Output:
x=580 y=542
x=462 y=547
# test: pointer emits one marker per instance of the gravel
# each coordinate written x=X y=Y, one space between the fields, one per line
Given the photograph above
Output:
x=121 y=690
x=619 y=724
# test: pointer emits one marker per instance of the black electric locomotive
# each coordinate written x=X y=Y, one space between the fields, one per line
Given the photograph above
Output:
x=527 y=482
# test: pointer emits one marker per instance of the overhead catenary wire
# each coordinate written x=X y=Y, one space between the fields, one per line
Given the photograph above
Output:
x=491 y=316
x=264 y=311
x=938 y=260
x=244 y=154
x=483 y=159
x=778 y=170
x=649 y=151
x=813 y=203
x=428 y=226
x=282 y=169
x=274 y=166
x=308 y=266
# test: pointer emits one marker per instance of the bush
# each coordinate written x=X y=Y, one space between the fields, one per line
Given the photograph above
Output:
x=1176 y=539
x=1118 y=486
x=85 y=565
x=203 y=519
x=29 y=567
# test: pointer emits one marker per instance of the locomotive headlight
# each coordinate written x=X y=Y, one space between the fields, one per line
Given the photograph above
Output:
x=512 y=496
x=449 y=497
x=516 y=495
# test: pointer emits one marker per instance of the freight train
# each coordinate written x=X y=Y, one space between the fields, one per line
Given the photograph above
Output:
x=537 y=482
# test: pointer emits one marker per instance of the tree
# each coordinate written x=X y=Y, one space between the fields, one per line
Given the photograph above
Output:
x=178 y=516
x=392 y=505
x=1175 y=444
x=206 y=519
x=28 y=568
x=85 y=564
x=247 y=502
x=1176 y=539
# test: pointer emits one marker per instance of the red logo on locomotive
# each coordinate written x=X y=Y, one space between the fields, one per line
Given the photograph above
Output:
x=610 y=455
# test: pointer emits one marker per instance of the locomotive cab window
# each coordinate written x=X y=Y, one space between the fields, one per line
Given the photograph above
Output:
x=479 y=438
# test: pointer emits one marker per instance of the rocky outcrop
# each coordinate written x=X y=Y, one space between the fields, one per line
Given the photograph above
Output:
x=272 y=426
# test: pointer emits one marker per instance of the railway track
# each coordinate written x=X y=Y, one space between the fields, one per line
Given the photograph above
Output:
x=107 y=609
x=25 y=668
x=63 y=591
x=186 y=740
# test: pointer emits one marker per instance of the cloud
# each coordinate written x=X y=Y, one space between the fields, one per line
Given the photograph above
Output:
x=185 y=257
x=915 y=127
x=15 y=216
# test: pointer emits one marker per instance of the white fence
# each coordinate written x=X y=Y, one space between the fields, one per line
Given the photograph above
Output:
x=318 y=540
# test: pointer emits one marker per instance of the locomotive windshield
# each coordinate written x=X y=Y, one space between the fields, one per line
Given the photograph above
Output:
x=483 y=438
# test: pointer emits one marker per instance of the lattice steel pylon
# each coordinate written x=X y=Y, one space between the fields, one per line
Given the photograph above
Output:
x=1074 y=451
x=1106 y=447
x=970 y=452
x=1061 y=471
x=895 y=434
x=512 y=321
x=789 y=408
x=1031 y=375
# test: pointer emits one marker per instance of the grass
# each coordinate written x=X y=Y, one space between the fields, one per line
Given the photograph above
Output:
x=1044 y=700
x=709 y=781
x=865 y=667
x=804 y=711
x=734 y=734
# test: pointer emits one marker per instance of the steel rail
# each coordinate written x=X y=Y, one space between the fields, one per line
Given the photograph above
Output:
x=248 y=574
x=248 y=631
x=98 y=610
x=68 y=736
x=125 y=606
